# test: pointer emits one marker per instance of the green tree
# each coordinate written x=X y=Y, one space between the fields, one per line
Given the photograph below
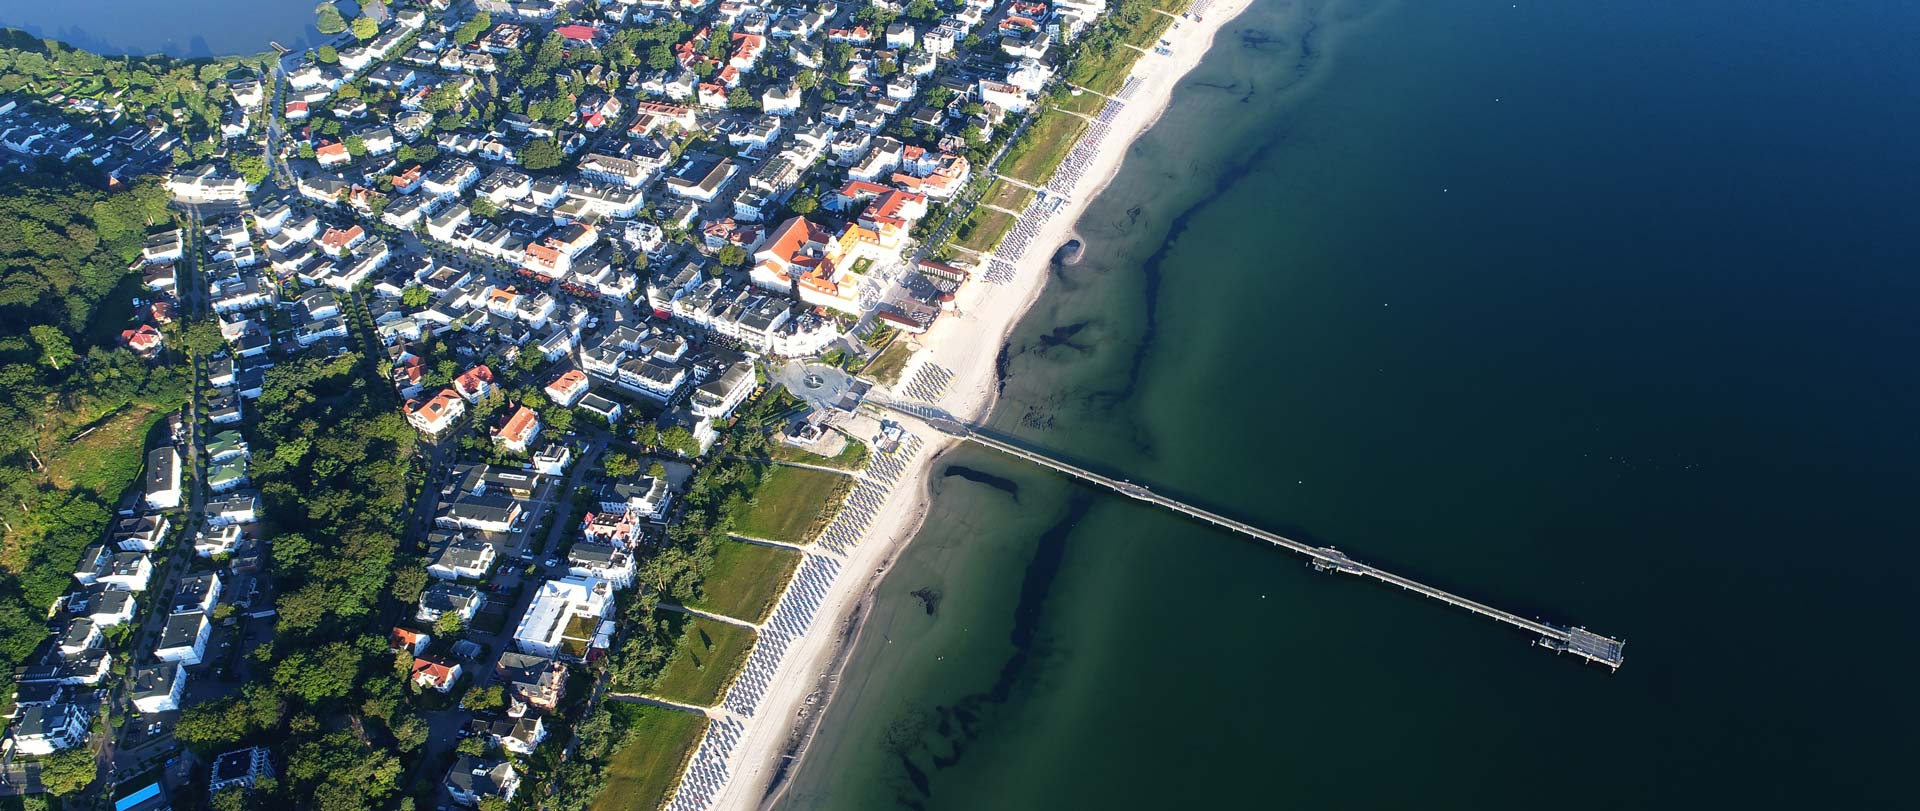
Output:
x=733 y=256
x=251 y=168
x=68 y=771
x=680 y=440
x=657 y=470
x=541 y=154
x=356 y=146
x=484 y=699
x=329 y=20
x=472 y=28
x=483 y=207
x=449 y=625
x=559 y=420
x=416 y=297
x=364 y=28
x=56 y=349
x=203 y=337
x=805 y=204
x=620 y=465
x=739 y=99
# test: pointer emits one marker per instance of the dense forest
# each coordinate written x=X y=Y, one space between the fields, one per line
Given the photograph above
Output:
x=335 y=486
x=75 y=408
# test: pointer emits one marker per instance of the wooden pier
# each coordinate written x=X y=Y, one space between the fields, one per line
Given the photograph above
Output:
x=1580 y=642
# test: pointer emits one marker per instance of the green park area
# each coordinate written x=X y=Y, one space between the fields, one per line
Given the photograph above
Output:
x=709 y=654
x=745 y=579
x=1043 y=146
x=656 y=744
x=983 y=230
x=791 y=504
x=1007 y=195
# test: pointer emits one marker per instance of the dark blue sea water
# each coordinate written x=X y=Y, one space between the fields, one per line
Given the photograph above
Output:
x=1603 y=312
x=187 y=28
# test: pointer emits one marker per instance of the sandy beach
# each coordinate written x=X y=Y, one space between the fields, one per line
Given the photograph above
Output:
x=960 y=351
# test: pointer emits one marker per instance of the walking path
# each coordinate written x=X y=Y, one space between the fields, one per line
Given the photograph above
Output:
x=709 y=615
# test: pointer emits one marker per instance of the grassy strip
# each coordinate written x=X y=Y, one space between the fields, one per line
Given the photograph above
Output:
x=890 y=363
x=1148 y=34
x=982 y=231
x=1045 y=144
x=791 y=503
x=1010 y=196
x=704 y=663
x=852 y=457
x=644 y=769
x=1087 y=104
x=1103 y=70
x=745 y=579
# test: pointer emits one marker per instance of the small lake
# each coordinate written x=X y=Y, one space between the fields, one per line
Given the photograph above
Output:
x=186 y=28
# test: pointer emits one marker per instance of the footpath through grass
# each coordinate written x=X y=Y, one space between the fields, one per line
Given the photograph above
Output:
x=657 y=743
x=1010 y=196
x=983 y=229
x=704 y=663
x=1044 y=145
x=745 y=579
x=792 y=504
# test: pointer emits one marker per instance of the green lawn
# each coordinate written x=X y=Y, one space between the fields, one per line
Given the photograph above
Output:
x=1148 y=35
x=1045 y=144
x=1103 y=70
x=745 y=579
x=887 y=366
x=642 y=771
x=852 y=457
x=984 y=229
x=1084 y=104
x=703 y=664
x=1010 y=196
x=791 y=504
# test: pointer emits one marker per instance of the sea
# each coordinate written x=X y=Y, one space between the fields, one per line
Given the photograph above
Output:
x=1600 y=312
x=182 y=28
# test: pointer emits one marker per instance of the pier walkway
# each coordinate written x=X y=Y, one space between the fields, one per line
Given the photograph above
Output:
x=1577 y=641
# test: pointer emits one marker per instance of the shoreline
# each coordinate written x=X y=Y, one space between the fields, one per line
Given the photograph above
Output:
x=965 y=345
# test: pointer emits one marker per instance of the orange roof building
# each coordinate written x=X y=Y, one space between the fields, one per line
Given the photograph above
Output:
x=519 y=430
x=568 y=388
x=474 y=383
x=436 y=413
x=801 y=255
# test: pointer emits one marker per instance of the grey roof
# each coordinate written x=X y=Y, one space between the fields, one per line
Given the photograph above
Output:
x=162 y=467
x=464 y=554
x=479 y=776
x=182 y=629
x=193 y=589
x=445 y=596
x=156 y=680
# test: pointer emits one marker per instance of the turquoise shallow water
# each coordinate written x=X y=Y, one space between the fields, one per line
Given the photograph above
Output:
x=1597 y=312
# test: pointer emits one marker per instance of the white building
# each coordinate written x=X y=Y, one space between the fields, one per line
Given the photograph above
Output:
x=158 y=688
x=565 y=617
x=163 y=478
x=184 y=638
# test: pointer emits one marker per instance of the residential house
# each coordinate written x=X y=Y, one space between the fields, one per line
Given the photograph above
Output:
x=158 y=688
x=473 y=779
x=442 y=598
x=184 y=638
